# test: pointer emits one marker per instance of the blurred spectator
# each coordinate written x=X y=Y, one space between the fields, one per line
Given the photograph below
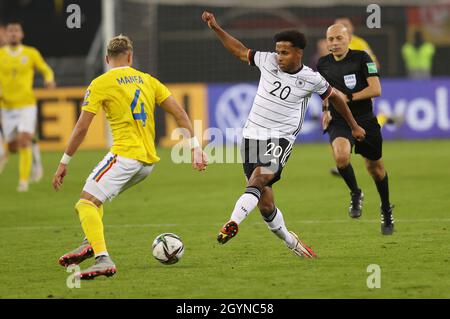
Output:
x=321 y=50
x=357 y=43
x=418 y=57
x=2 y=34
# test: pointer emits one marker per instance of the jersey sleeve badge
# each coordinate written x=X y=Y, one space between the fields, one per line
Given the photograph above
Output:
x=86 y=97
x=371 y=68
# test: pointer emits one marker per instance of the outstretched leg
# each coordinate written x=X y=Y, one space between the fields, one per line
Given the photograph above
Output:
x=3 y=155
x=246 y=203
x=25 y=160
x=90 y=212
x=341 y=153
x=378 y=172
x=37 y=171
x=274 y=218
x=275 y=222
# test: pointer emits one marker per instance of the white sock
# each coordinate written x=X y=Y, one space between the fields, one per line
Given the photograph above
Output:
x=2 y=148
x=275 y=222
x=102 y=253
x=245 y=204
x=36 y=154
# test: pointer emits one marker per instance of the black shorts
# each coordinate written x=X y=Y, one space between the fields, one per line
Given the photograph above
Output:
x=272 y=154
x=371 y=147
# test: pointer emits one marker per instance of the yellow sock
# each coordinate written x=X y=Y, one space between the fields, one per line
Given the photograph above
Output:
x=382 y=119
x=25 y=162
x=92 y=224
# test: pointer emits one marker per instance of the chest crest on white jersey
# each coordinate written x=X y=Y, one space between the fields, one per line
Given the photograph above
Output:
x=299 y=82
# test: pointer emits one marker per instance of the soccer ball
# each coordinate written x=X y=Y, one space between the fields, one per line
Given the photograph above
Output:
x=168 y=248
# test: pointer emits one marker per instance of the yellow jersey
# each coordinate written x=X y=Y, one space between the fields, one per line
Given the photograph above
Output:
x=358 y=43
x=17 y=73
x=128 y=98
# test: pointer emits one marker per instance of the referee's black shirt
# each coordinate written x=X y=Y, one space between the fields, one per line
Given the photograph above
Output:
x=349 y=75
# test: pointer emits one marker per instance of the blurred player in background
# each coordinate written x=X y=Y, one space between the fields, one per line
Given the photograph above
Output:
x=3 y=157
x=2 y=34
x=321 y=50
x=418 y=56
x=355 y=74
x=356 y=43
x=128 y=98
x=19 y=111
x=275 y=120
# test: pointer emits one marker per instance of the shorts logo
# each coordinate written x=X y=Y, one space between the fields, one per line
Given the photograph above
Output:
x=350 y=81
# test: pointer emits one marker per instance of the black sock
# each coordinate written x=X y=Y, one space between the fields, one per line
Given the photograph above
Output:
x=383 y=190
x=348 y=175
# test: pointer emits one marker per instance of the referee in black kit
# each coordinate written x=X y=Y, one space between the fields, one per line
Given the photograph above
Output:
x=355 y=74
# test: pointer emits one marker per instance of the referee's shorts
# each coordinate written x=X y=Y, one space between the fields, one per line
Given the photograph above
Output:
x=371 y=147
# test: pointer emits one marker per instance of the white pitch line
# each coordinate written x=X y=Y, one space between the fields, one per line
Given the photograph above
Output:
x=336 y=221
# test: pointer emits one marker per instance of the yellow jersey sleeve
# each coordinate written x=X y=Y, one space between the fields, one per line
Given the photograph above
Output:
x=42 y=67
x=93 y=100
x=358 y=43
x=161 y=91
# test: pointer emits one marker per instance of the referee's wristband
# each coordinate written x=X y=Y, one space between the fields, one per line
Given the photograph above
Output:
x=193 y=142
x=65 y=159
x=350 y=97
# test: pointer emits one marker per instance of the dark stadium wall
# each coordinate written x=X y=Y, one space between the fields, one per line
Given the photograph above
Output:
x=45 y=26
x=180 y=33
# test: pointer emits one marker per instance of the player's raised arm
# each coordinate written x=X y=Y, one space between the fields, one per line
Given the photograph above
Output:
x=45 y=70
x=230 y=43
x=199 y=158
x=78 y=135
x=341 y=106
x=372 y=90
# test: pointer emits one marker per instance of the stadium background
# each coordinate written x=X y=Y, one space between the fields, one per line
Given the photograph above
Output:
x=172 y=43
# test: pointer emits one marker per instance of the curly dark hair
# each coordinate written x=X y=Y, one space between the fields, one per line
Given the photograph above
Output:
x=297 y=38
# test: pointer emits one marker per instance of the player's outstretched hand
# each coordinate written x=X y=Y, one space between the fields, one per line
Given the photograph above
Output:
x=58 y=178
x=50 y=85
x=210 y=19
x=199 y=159
x=359 y=133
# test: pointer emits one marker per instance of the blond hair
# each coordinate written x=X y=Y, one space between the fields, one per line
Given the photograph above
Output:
x=119 y=45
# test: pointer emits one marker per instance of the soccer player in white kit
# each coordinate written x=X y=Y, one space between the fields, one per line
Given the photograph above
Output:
x=275 y=120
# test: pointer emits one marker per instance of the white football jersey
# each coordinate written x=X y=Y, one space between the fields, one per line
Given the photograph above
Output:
x=282 y=98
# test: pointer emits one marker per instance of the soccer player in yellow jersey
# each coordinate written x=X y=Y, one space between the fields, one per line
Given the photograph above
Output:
x=128 y=98
x=19 y=111
x=2 y=34
x=356 y=43
x=2 y=148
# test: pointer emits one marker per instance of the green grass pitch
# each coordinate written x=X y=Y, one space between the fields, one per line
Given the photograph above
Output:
x=39 y=226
